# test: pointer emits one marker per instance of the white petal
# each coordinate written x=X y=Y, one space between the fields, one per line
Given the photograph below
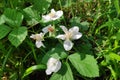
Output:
x=74 y=29
x=32 y=36
x=39 y=44
x=58 y=66
x=53 y=11
x=76 y=36
x=48 y=71
x=42 y=34
x=53 y=65
x=46 y=18
x=62 y=36
x=59 y=13
x=68 y=45
x=64 y=29
x=45 y=30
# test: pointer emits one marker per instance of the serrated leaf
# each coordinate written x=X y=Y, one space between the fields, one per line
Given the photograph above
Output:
x=64 y=73
x=4 y=30
x=58 y=52
x=17 y=36
x=86 y=65
x=33 y=68
x=12 y=17
x=31 y=15
x=42 y=5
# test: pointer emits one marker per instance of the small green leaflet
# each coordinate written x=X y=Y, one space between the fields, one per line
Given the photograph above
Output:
x=4 y=30
x=17 y=36
x=12 y=17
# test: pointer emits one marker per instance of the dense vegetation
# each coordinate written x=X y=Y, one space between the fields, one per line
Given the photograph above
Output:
x=81 y=40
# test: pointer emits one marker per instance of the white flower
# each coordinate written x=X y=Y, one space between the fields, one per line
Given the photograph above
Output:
x=49 y=28
x=71 y=34
x=53 y=65
x=53 y=15
x=39 y=38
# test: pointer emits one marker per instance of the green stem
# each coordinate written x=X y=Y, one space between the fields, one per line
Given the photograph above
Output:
x=62 y=10
x=34 y=54
x=6 y=58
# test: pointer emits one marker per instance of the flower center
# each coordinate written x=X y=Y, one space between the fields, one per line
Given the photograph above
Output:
x=38 y=37
x=52 y=15
x=68 y=35
x=50 y=29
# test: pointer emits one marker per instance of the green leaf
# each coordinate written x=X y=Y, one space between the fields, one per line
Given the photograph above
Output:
x=86 y=65
x=4 y=30
x=64 y=73
x=2 y=19
x=117 y=36
x=85 y=25
x=42 y=5
x=12 y=17
x=116 y=3
x=17 y=36
x=31 y=15
x=114 y=74
x=114 y=56
x=88 y=0
x=75 y=21
x=68 y=3
x=58 y=52
x=33 y=68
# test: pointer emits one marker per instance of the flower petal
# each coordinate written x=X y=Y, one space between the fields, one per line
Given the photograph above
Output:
x=68 y=45
x=53 y=11
x=62 y=36
x=59 y=13
x=58 y=66
x=64 y=29
x=53 y=65
x=39 y=44
x=32 y=36
x=74 y=29
x=46 y=18
x=76 y=36
x=45 y=30
x=48 y=71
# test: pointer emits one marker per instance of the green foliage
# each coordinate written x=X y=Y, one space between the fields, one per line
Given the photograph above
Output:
x=4 y=30
x=86 y=65
x=117 y=6
x=96 y=55
x=64 y=73
x=114 y=56
x=31 y=15
x=33 y=68
x=12 y=17
x=17 y=36
x=57 y=52
x=41 y=5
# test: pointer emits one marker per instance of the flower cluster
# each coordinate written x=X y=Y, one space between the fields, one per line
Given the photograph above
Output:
x=54 y=65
